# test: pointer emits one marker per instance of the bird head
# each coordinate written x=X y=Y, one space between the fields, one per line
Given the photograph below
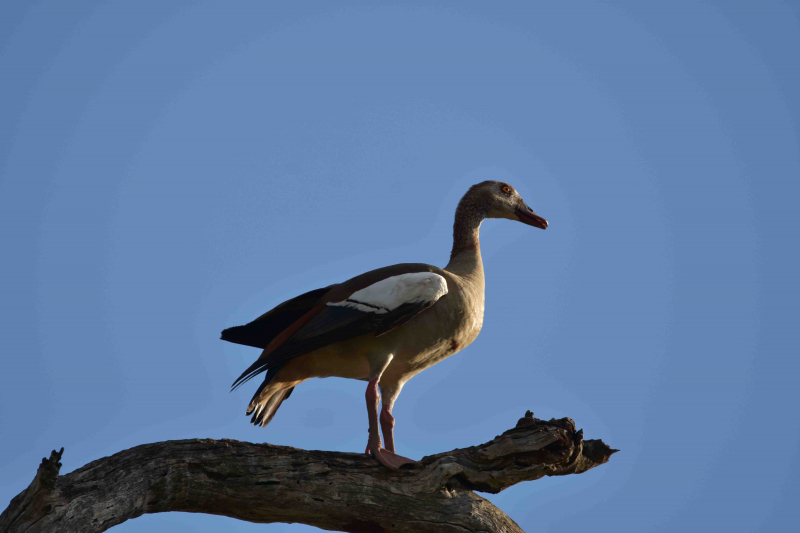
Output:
x=501 y=200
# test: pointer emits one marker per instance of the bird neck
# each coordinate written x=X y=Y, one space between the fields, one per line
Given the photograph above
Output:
x=465 y=258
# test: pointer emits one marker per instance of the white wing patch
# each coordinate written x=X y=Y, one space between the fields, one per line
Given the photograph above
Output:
x=390 y=293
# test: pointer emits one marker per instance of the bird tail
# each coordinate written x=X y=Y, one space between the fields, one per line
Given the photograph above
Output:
x=268 y=398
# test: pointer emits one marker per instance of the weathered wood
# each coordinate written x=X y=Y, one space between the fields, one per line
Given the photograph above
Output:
x=330 y=490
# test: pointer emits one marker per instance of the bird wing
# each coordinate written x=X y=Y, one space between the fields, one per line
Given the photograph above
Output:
x=261 y=331
x=374 y=303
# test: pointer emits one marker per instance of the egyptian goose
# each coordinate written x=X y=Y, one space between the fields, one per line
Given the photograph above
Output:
x=383 y=326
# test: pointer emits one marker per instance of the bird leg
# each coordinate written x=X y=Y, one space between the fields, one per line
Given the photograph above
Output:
x=373 y=398
x=387 y=426
x=385 y=457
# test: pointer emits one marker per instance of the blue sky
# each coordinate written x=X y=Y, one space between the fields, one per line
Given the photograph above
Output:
x=169 y=169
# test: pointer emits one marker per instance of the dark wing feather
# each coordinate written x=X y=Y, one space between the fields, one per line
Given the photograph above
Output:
x=333 y=324
x=263 y=329
x=401 y=315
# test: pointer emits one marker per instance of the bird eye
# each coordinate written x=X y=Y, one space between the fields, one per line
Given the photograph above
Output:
x=506 y=189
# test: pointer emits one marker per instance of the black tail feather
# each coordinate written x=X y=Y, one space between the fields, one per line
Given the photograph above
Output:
x=252 y=371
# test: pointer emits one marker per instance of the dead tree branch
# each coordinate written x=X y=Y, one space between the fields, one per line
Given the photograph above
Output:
x=330 y=490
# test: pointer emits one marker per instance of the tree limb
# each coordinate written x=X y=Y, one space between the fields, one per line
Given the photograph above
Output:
x=330 y=490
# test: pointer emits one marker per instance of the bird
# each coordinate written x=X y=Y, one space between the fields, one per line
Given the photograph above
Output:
x=383 y=326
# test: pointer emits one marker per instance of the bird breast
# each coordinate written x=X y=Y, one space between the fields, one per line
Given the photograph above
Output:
x=446 y=328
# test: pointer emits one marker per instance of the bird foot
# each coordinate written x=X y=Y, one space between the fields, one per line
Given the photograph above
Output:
x=389 y=459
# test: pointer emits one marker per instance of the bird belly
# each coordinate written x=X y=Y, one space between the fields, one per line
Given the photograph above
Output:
x=346 y=359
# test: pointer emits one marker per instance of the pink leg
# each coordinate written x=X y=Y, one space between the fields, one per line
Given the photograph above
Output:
x=387 y=426
x=373 y=398
x=385 y=457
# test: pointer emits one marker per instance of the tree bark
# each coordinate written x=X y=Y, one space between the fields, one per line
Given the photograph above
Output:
x=330 y=490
